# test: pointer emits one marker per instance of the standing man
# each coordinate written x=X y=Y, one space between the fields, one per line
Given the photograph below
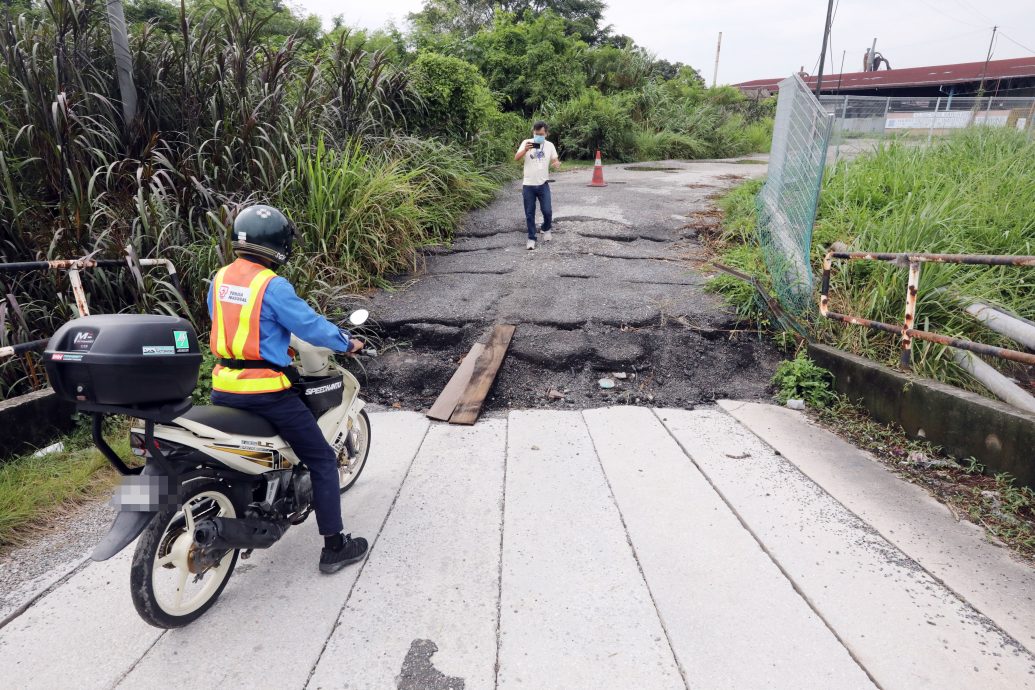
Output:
x=538 y=154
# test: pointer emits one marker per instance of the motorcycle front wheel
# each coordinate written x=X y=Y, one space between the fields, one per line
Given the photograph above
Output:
x=170 y=588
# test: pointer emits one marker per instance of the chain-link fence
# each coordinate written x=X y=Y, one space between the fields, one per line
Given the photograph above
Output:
x=787 y=202
x=809 y=133
x=862 y=122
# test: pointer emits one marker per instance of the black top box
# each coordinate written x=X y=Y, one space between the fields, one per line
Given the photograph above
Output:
x=124 y=359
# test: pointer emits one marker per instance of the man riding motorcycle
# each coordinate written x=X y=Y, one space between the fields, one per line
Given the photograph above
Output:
x=254 y=312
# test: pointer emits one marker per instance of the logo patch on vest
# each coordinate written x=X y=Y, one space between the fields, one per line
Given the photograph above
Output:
x=234 y=294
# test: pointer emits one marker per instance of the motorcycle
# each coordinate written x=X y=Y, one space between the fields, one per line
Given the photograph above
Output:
x=217 y=482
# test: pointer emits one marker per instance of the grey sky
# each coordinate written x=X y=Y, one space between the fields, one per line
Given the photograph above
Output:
x=771 y=38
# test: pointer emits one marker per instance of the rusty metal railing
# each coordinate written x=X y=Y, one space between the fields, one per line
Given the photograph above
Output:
x=73 y=267
x=906 y=330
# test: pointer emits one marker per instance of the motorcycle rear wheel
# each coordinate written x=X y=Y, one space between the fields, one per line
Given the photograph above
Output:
x=350 y=468
x=166 y=554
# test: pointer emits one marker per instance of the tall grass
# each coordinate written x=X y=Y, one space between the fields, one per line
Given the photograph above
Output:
x=970 y=193
x=227 y=117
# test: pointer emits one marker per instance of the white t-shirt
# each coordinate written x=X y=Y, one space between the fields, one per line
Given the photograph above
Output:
x=537 y=163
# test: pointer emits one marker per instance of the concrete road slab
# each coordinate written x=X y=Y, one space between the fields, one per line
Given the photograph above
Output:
x=272 y=620
x=84 y=634
x=733 y=618
x=985 y=575
x=575 y=612
x=432 y=584
x=903 y=626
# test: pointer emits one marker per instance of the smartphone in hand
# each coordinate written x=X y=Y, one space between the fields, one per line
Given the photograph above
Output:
x=536 y=145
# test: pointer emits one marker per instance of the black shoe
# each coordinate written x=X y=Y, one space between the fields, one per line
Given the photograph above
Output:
x=351 y=550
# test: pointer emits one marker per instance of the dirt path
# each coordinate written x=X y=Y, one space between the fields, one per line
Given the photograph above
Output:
x=613 y=292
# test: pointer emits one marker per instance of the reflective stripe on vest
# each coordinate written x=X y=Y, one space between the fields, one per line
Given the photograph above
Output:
x=237 y=293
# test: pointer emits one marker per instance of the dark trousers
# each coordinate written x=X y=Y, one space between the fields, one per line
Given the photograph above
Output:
x=297 y=426
x=529 y=193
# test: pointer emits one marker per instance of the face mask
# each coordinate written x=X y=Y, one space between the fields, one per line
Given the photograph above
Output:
x=539 y=138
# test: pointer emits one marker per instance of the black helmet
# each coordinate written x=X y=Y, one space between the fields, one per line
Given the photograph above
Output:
x=263 y=231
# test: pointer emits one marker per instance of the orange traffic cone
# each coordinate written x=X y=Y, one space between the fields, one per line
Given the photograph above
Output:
x=598 y=174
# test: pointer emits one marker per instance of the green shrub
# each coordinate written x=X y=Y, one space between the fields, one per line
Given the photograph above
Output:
x=759 y=136
x=498 y=140
x=802 y=379
x=667 y=145
x=456 y=103
x=592 y=122
x=530 y=60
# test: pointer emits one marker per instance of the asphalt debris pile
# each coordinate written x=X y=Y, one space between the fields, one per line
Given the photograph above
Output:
x=608 y=298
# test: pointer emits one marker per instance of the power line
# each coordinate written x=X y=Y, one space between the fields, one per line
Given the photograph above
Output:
x=945 y=14
x=975 y=10
x=943 y=39
x=1017 y=43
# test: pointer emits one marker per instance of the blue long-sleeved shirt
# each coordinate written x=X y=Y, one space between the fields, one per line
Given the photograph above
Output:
x=283 y=313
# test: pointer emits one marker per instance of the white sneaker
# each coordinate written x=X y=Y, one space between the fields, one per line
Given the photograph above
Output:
x=547 y=236
x=530 y=244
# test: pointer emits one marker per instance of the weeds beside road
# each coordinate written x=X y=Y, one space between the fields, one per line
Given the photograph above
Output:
x=35 y=488
x=971 y=193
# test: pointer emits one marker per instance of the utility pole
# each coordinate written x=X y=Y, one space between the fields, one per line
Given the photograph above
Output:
x=842 y=71
x=718 y=48
x=984 y=71
x=823 y=52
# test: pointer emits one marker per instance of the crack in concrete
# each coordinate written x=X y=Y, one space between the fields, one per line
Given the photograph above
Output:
x=769 y=554
x=370 y=552
x=503 y=517
x=636 y=556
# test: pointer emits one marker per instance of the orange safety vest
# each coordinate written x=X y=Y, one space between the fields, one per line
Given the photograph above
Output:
x=237 y=293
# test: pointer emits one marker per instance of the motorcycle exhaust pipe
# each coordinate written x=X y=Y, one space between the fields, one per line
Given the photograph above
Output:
x=238 y=533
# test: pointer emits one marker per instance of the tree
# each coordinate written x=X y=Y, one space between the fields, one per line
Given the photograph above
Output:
x=465 y=18
x=161 y=13
x=665 y=70
x=613 y=69
x=530 y=62
x=279 y=21
x=455 y=100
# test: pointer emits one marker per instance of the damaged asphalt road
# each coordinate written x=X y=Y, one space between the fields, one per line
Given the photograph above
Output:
x=616 y=291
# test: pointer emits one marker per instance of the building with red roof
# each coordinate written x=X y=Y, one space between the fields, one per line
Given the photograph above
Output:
x=1002 y=78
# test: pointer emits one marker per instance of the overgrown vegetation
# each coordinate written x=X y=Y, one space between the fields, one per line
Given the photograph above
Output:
x=374 y=142
x=973 y=192
x=34 y=487
x=802 y=379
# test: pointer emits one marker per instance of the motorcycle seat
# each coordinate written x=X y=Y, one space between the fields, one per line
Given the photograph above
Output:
x=230 y=420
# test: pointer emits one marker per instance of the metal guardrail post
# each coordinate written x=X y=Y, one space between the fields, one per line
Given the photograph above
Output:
x=79 y=292
x=907 y=324
x=906 y=331
x=74 y=267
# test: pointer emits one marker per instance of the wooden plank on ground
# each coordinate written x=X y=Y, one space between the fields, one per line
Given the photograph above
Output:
x=470 y=404
x=446 y=402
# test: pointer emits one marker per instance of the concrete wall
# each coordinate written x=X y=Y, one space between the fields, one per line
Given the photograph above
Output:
x=964 y=424
x=32 y=421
